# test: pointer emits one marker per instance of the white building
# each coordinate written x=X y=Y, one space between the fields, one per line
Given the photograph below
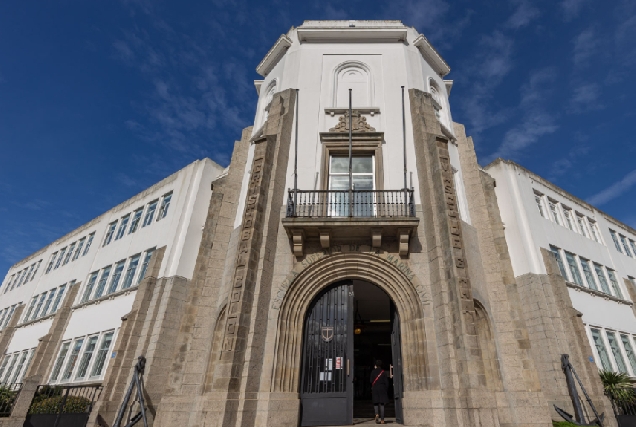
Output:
x=106 y=258
x=595 y=253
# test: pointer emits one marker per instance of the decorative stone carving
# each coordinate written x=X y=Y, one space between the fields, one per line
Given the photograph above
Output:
x=358 y=123
x=298 y=240
x=404 y=235
x=376 y=237
x=325 y=237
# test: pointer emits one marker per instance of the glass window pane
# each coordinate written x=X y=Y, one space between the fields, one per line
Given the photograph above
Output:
x=114 y=282
x=36 y=312
x=89 y=286
x=144 y=265
x=339 y=182
x=60 y=360
x=3 y=367
x=618 y=356
x=150 y=213
x=72 y=359
x=165 y=205
x=49 y=300
x=59 y=258
x=339 y=165
x=629 y=350
x=134 y=224
x=102 y=282
x=98 y=367
x=539 y=201
x=86 y=357
x=362 y=164
x=601 y=350
x=600 y=275
x=58 y=299
x=362 y=182
x=574 y=268
x=130 y=271
x=589 y=277
x=615 y=286
x=122 y=227
x=615 y=239
x=18 y=369
x=88 y=244
x=78 y=251
x=10 y=368
x=557 y=255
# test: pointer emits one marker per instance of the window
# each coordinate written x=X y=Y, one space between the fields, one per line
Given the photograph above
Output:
x=582 y=225
x=539 y=200
x=587 y=271
x=59 y=258
x=89 y=286
x=36 y=312
x=58 y=299
x=3 y=367
x=3 y=313
x=122 y=227
x=49 y=300
x=51 y=262
x=109 y=233
x=362 y=178
x=37 y=267
x=600 y=274
x=633 y=245
x=134 y=224
x=569 y=221
x=102 y=282
x=554 y=210
x=70 y=364
x=557 y=255
x=88 y=244
x=130 y=272
x=574 y=268
x=616 y=351
x=617 y=245
x=30 y=310
x=150 y=213
x=629 y=351
x=69 y=253
x=98 y=367
x=601 y=350
x=595 y=232
x=144 y=265
x=625 y=245
x=114 y=282
x=614 y=282
x=165 y=204
x=78 y=251
x=23 y=357
x=9 y=283
x=60 y=360
x=86 y=357
x=14 y=358
x=27 y=276
x=8 y=319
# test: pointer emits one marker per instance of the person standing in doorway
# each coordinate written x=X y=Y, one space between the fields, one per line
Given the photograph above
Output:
x=379 y=391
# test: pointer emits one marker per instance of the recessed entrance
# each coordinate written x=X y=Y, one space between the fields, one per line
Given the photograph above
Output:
x=349 y=326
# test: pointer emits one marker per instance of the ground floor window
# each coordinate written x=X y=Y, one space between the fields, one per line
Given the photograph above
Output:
x=82 y=358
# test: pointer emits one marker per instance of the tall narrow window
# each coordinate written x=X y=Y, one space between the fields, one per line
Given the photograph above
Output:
x=3 y=313
x=88 y=244
x=600 y=274
x=134 y=224
x=595 y=231
x=539 y=200
x=72 y=359
x=9 y=283
x=629 y=351
x=557 y=255
x=628 y=252
x=34 y=300
x=58 y=298
x=362 y=180
x=614 y=282
x=150 y=213
x=633 y=246
x=60 y=361
x=3 y=367
x=582 y=225
x=616 y=351
x=574 y=268
x=9 y=316
x=114 y=282
x=109 y=233
x=28 y=275
x=98 y=367
x=36 y=312
x=102 y=282
x=122 y=227
x=554 y=210
x=69 y=253
x=165 y=205
x=11 y=366
x=130 y=271
x=569 y=222
x=601 y=350
x=587 y=271
x=18 y=369
x=144 y=265
x=59 y=258
x=51 y=262
x=37 y=267
x=80 y=245
x=30 y=353
x=89 y=286
x=86 y=357
x=48 y=303
x=617 y=245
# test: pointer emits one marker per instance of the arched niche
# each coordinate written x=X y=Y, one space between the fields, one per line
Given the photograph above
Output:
x=353 y=75
x=263 y=104
x=312 y=280
x=486 y=340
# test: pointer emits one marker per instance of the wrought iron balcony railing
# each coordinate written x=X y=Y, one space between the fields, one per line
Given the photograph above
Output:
x=350 y=203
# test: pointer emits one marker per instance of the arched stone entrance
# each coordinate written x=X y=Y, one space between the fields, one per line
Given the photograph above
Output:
x=385 y=271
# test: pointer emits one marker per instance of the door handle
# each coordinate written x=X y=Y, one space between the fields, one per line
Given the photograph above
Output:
x=390 y=371
x=347 y=367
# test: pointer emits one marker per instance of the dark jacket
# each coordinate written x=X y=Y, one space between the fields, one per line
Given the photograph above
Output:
x=379 y=390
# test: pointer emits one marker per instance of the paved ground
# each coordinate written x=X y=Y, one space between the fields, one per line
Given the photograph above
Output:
x=357 y=421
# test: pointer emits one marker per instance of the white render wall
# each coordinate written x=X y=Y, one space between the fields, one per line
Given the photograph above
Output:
x=310 y=67
x=180 y=231
x=527 y=231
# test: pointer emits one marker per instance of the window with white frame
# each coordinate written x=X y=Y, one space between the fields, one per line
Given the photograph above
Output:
x=59 y=258
x=625 y=244
x=13 y=358
x=144 y=264
x=595 y=231
x=130 y=271
x=134 y=223
x=110 y=231
x=569 y=220
x=88 y=243
x=632 y=244
x=362 y=178
x=83 y=358
x=554 y=211
x=556 y=252
x=629 y=351
x=150 y=213
x=617 y=244
x=101 y=285
x=601 y=350
x=69 y=253
x=587 y=272
x=117 y=272
x=538 y=198
x=80 y=245
x=123 y=224
x=51 y=262
x=600 y=275
x=616 y=352
x=617 y=289
x=9 y=316
x=59 y=296
x=165 y=205
x=574 y=268
x=90 y=284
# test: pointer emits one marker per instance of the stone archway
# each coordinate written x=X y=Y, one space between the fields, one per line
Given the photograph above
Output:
x=383 y=270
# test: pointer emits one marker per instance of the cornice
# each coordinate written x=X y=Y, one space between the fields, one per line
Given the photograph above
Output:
x=368 y=34
x=274 y=55
x=431 y=55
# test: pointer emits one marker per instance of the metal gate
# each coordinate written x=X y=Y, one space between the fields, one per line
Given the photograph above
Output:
x=326 y=390
x=62 y=406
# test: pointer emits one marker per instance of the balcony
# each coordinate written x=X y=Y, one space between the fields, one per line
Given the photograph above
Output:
x=350 y=214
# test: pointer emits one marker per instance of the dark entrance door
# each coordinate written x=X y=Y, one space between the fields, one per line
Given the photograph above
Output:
x=396 y=351
x=326 y=389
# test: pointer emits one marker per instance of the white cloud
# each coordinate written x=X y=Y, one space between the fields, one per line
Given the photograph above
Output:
x=614 y=190
x=585 y=98
x=523 y=15
x=571 y=8
x=586 y=45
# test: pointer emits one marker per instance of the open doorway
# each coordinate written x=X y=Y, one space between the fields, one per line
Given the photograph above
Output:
x=374 y=317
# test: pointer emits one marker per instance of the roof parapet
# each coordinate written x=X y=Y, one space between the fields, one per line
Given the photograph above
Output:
x=431 y=55
x=274 y=55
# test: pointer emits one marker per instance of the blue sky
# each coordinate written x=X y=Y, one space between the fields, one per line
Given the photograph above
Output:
x=101 y=99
